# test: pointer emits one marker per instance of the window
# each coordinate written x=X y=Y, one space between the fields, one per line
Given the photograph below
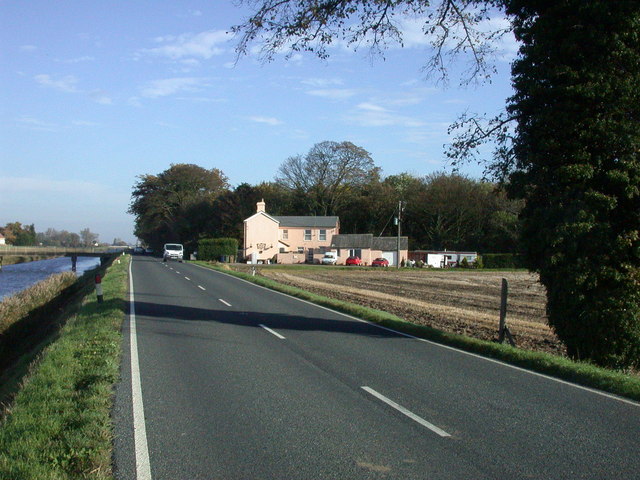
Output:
x=285 y=234
x=307 y=235
x=323 y=235
x=300 y=249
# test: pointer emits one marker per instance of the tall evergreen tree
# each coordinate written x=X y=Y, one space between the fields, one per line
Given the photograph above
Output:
x=577 y=101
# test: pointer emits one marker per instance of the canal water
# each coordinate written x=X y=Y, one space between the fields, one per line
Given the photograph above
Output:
x=15 y=278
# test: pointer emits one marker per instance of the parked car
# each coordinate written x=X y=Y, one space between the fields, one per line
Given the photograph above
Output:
x=148 y=251
x=330 y=258
x=138 y=251
x=353 y=261
x=380 y=262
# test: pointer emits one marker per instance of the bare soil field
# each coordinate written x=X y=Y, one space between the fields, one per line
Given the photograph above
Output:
x=459 y=301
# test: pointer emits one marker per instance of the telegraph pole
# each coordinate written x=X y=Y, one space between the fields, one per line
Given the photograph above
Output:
x=399 y=220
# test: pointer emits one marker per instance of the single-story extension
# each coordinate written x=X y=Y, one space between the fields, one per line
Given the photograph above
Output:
x=442 y=258
x=368 y=247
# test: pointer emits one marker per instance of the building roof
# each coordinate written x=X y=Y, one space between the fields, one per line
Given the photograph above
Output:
x=367 y=240
x=313 y=222
x=387 y=244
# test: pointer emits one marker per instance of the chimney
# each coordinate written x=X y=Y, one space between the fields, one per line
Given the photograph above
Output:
x=261 y=206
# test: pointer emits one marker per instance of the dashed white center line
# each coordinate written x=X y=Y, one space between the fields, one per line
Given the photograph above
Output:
x=226 y=303
x=201 y=287
x=273 y=332
x=187 y=278
x=406 y=412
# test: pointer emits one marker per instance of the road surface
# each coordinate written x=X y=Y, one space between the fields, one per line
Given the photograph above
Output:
x=222 y=379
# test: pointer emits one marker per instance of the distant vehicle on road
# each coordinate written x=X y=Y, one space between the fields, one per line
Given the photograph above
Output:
x=353 y=261
x=149 y=251
x=172 y=251
x=380 y=262
x=138 y=251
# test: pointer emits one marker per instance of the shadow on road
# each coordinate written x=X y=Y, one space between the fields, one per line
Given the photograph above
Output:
x=277 y=321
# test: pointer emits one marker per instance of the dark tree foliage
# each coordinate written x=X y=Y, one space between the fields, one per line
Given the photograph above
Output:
x=173 y=206
x=19 y=235
x=577 y=149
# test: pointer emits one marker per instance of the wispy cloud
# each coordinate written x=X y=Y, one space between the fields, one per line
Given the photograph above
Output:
x=171 y=86
x=272 y=121
x=28 y=48
x=371 y=115
x=334 y=93
x=67 y=83
x=32 y=123
x=322 y=82
x=203 y=45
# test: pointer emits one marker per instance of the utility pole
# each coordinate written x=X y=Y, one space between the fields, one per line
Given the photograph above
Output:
x=399 y=221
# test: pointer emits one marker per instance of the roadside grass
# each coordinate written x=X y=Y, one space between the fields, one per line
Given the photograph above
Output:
x=59 y=426
x=17 y=306
x=582 y=373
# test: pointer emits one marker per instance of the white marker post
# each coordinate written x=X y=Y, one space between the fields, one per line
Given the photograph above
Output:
x=99 y=288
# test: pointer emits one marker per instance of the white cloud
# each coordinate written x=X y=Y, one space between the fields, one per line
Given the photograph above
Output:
x=371 y=115
x=28 y=48
x=83 y=59
x=202 y=45
x=32 y=123
x=272 y=121
x=334 y=93
x=101 y=97
x=64 y=84
x=322 y=82
x=170 y=86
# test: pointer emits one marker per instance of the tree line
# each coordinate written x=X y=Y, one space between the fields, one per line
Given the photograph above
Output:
x=186 y=203
x=25 y=235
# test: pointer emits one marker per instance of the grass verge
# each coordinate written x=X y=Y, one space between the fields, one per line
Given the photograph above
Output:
x=581 y=373
x=58 y=426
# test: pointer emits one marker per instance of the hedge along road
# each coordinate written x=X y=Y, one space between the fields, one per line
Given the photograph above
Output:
x=238 y=381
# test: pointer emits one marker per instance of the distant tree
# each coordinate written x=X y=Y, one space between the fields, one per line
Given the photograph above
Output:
x=88 y=237
x=17 y=234
x=327 y=174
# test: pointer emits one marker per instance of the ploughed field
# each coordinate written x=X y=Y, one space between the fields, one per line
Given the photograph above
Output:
x=460 y=301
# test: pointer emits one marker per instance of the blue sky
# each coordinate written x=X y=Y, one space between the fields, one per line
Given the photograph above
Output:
x=93 y=94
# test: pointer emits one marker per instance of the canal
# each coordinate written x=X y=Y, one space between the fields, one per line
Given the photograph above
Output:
x=15 y=278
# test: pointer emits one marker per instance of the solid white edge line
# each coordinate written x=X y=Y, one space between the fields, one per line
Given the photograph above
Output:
x=471 y=354
x=273 y=332
x=143 y=465
x=226 y=303
x=406 y=412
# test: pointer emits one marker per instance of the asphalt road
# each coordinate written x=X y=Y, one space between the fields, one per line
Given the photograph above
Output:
x=239 y=382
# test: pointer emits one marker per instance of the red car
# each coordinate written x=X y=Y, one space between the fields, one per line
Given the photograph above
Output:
x=380 y=262
x=353 y=261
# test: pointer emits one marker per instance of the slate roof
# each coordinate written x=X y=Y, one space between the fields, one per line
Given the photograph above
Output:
x=313 y=222
x=387 y=244
x=367 y=240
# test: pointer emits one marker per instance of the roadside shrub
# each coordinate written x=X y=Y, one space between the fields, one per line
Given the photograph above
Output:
x=216 y=248
x=464 y=263
x=478 y=263
x=502 y=260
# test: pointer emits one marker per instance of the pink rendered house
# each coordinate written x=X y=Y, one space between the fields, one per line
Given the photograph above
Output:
x=287 y=239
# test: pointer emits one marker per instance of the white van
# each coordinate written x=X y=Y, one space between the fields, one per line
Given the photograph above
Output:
x=172 y=251
x=330 y=258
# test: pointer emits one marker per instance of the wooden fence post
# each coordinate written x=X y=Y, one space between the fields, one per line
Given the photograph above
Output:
x=504 y=329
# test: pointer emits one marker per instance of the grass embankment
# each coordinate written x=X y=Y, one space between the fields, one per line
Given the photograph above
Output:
x=58 y=426
x=560 y=367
